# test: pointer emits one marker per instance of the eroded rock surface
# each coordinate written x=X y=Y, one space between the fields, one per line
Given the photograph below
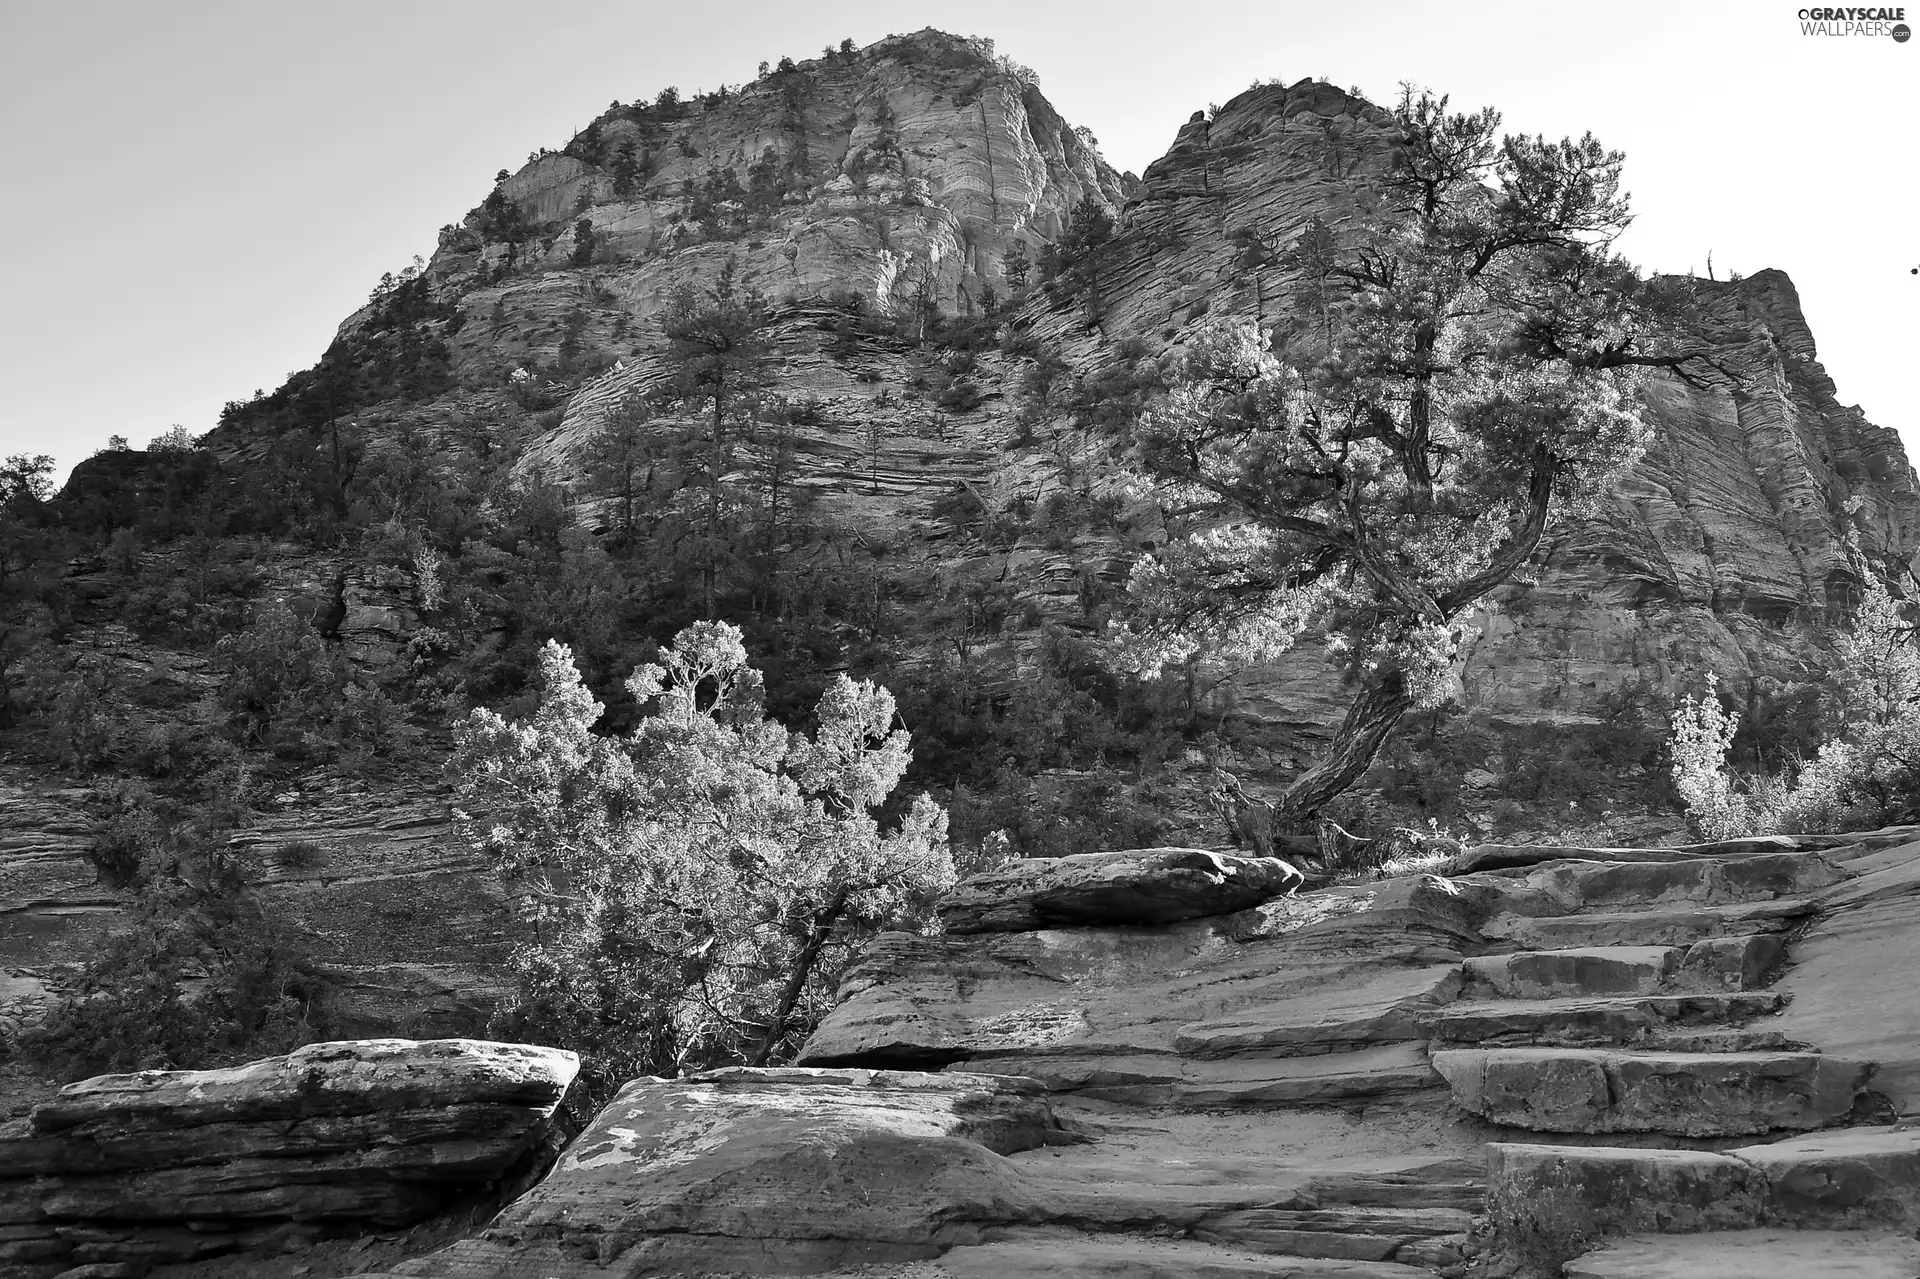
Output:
x=171 y=1165
x=1326 y=1084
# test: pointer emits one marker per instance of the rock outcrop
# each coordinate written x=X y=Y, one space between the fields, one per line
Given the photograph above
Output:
x=352 y=1135
x=1407 y=1079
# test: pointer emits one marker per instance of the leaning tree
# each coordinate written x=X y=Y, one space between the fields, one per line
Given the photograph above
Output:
x=1457 y=373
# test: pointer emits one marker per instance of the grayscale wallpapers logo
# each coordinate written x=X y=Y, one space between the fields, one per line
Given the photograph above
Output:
x=1856 y=22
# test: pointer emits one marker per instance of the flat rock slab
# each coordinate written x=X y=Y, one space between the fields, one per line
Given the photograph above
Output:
x=1139 y=886
x=1549 y=1203
x=1847 y=1177
x=1325 y=1079
x=172 y=1165
x=1510 y=856
x=1140 y=1257
x=771 y=1172
x=343 y=1078
x=1753 y=1254
x=1574 y=1090
x=1703 y=882
x=1661 y=926
x=1623 y=1020
x=1357 y=1234
x=1376 y=1007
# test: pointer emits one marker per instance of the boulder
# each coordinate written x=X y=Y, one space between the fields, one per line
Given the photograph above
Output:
x=1139 y=886
x=171 y=1165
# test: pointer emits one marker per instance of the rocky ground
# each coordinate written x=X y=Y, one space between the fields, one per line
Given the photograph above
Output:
x=1634 y=1064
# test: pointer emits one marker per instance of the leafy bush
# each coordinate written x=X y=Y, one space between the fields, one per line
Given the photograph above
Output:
x=1865 y=775
x=687 y=891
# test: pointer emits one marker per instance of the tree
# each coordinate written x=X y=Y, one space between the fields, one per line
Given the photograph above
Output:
x=1470 y=384
x=626 y=168
x=1015 y=266
x=716 y=347
x=621 y=460
x=1077 y=259
x=583 y=242
x=688 y=890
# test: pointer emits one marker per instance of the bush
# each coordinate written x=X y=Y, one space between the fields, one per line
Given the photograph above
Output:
x=688 y=891
x=299 y=855
x=1866 y=775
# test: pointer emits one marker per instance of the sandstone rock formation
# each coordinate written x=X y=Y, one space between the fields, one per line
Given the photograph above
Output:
x=1375 y=1081
x=1294 y=1088
x=353 y=1135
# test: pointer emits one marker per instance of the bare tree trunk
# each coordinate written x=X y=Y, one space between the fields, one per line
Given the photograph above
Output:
x=797 y=980
x=1372 y=716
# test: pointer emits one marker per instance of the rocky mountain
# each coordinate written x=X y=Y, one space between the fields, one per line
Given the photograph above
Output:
x=941 y=425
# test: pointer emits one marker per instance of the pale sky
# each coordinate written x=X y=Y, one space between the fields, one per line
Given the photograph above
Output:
x=197 y=192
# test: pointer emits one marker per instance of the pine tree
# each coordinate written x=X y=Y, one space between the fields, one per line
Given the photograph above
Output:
x=1467 y=380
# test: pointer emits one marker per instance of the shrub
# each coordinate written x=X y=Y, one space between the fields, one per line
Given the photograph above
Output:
x=688 y=890
x=1866 y=775
x=299 y=855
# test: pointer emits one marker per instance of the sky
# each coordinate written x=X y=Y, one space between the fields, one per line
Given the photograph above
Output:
x=198 y=191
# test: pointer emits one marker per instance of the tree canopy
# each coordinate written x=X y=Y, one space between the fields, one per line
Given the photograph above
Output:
x=1456 y=373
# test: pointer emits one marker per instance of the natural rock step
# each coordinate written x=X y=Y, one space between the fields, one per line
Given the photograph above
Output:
x=1664 y=926
x=1379 y=1007
x=1745 y=1254
x=1624 y=1020
x=1418 y=1236
x=1302 y=1081
x=1850 y=1177
x=1054 y=1256
x=1682 y=1094
x=1552 y=974
x=1705 y=882
x=1548 y=1203
x=1718 y=963
x=1541 y=1198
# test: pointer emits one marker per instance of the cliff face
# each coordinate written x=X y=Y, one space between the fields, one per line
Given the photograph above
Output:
x=904 y=174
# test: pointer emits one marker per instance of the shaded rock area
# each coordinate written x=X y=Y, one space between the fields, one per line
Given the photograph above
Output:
x=334 y=1137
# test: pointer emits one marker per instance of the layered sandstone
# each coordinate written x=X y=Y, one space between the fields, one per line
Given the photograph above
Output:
x=344 y=1137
